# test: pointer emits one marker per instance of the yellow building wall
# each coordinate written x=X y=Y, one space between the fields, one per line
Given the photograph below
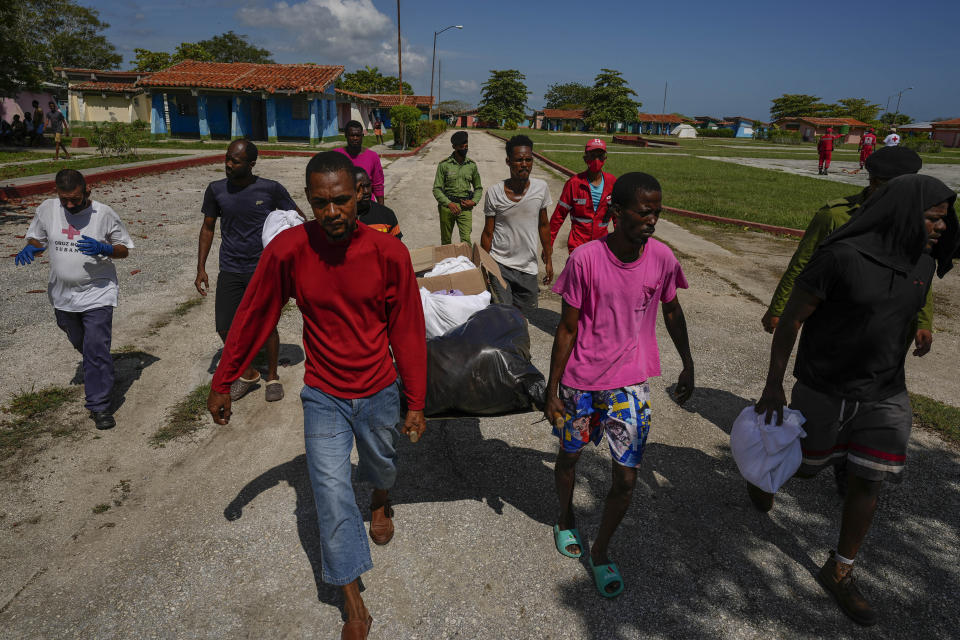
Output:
x=112 y=108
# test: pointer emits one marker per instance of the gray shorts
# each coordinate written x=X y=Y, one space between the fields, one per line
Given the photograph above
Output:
x=871 y=436
x=522 y=289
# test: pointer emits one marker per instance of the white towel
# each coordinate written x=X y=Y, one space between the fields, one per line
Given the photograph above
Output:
x=278 y=221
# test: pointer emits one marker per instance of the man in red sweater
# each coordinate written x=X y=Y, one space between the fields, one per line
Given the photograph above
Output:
x=585 y=198
x=867 y=144
x=825 y=149
x=358 y=295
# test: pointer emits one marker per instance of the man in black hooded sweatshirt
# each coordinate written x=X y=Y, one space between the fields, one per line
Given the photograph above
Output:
x=856 y=300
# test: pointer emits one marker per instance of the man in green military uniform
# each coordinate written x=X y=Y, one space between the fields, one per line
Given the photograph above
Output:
x=883 y=165
x=457 y=189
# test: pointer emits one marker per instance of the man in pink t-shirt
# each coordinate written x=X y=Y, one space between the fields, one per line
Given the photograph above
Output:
x=605 y=351
x=366 y=159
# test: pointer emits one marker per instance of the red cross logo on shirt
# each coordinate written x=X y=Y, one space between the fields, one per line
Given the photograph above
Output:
x=70 y=231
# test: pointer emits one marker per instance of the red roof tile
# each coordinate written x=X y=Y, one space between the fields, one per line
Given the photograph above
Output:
x=392 y=100
x=949 y=123
x=127 y=87
x=564 y=114
x=246 y=76
x=659 y=117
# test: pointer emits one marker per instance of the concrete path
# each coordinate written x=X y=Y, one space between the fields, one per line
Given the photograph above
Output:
x=215 y=536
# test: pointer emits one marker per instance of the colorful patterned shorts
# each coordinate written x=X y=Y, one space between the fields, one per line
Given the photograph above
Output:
x=622 y=414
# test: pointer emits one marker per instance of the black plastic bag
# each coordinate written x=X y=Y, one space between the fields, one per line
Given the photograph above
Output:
x=483 y=367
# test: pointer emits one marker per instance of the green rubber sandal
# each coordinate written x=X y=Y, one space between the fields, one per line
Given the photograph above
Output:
x=604 y=575
x=563 y=538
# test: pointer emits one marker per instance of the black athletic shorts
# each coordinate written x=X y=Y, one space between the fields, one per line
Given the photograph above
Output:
x=230 y=290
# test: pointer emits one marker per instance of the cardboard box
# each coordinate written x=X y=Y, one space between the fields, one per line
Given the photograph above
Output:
x=470 y=282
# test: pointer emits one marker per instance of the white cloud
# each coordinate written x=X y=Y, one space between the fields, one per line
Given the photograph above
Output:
x=350 y=32
x=462 y=87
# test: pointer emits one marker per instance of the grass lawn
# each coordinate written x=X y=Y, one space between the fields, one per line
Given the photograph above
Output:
x=78 y=162
x=19 y=156
x=215 y=145
x=726 y=189
x=721 y=147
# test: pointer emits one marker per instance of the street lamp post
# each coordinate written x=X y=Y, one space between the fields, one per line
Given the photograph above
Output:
x=434 y=62
x=900 y=93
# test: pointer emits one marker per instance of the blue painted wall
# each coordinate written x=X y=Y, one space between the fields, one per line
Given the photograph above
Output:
x=328 y=117
x=218 y=115
x=183 y=124
x=286 y=125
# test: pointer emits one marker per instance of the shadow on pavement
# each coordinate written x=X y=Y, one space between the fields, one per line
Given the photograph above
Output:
x=128 y=368
x=700 y=562
x=290 y=354
x=295 y=474
x=544 y=319
x=717 y=406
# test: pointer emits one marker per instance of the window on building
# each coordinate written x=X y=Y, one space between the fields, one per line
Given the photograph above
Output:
x=186 y=105
x=300 y=109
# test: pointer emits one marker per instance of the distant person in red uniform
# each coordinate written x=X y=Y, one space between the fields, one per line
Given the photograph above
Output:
x=351 y=388
x=585 y=198
x=867 y=144
x=825 y=148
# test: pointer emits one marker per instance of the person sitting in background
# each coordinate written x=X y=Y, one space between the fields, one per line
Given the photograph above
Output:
x=18 y=131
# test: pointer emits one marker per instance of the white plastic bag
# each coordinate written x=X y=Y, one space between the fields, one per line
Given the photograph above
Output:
x=444 y=312
x=450 y=265
x=767 y=454
x=278 y=221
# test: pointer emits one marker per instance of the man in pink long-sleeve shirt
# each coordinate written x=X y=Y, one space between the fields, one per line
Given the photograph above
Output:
x=358 y=295
x=363 y=158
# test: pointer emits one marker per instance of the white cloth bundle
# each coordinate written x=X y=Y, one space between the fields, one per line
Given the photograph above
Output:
x=767 y=454
x=450 y=265
x=443 y=312
x=278 y=221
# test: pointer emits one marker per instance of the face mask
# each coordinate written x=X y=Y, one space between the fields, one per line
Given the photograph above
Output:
x=595 y=165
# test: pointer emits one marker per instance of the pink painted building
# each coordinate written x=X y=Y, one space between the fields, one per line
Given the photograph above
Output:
x=10 y=107
x=947 y=132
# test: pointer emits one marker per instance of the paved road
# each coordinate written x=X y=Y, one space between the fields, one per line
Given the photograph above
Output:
x=216 y=536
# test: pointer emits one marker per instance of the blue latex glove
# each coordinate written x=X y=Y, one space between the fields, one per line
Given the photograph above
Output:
x=27 y=253
x=90 y=247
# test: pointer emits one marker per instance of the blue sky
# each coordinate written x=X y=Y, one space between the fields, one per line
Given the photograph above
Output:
x=720 y=59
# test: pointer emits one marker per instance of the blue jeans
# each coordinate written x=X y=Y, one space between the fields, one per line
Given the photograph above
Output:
x=330 y=425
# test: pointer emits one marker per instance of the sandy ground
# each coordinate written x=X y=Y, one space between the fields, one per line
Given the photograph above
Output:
x=215 y=536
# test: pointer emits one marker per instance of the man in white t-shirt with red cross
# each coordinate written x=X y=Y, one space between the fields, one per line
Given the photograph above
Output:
x=82 y=237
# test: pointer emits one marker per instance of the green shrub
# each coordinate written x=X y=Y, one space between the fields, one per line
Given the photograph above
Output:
x=510 y=125
x=715 y=133
x=117 y=138
x=782 y=136
x=403 y=120
x=427 y=129
x=568 y=128
x=921 y=144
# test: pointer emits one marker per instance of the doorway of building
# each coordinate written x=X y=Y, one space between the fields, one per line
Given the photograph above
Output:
x=258 y=120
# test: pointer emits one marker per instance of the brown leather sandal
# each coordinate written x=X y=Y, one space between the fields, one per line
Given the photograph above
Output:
x=381 y=524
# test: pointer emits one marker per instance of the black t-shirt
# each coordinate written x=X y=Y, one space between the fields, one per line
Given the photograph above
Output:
x=854 y=344
x=382 y=218
x=242 y=211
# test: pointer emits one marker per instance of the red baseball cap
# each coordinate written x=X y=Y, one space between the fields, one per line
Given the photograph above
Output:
x=596 y=143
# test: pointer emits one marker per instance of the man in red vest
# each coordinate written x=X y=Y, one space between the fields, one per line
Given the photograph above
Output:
x=825 y=148
x=585 y=198
x=867 y=144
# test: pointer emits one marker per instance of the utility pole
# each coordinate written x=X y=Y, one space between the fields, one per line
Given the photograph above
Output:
x=664 y=98
x=399 y=54
x=439 y=81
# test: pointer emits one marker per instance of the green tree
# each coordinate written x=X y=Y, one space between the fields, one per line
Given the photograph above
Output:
x=19 y=68
x=895 y=119
x=859 y=108
x=504 y=96
x=227 y=47
x=370 y=80
x=795 y=105
x=610 y=100
x=453 y=106
x=147 y=60
x=231 y=47
x=66 y=34
x=566 y=95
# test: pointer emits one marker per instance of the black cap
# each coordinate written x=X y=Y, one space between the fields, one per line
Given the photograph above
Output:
x=890 y=162
x=458 y=137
